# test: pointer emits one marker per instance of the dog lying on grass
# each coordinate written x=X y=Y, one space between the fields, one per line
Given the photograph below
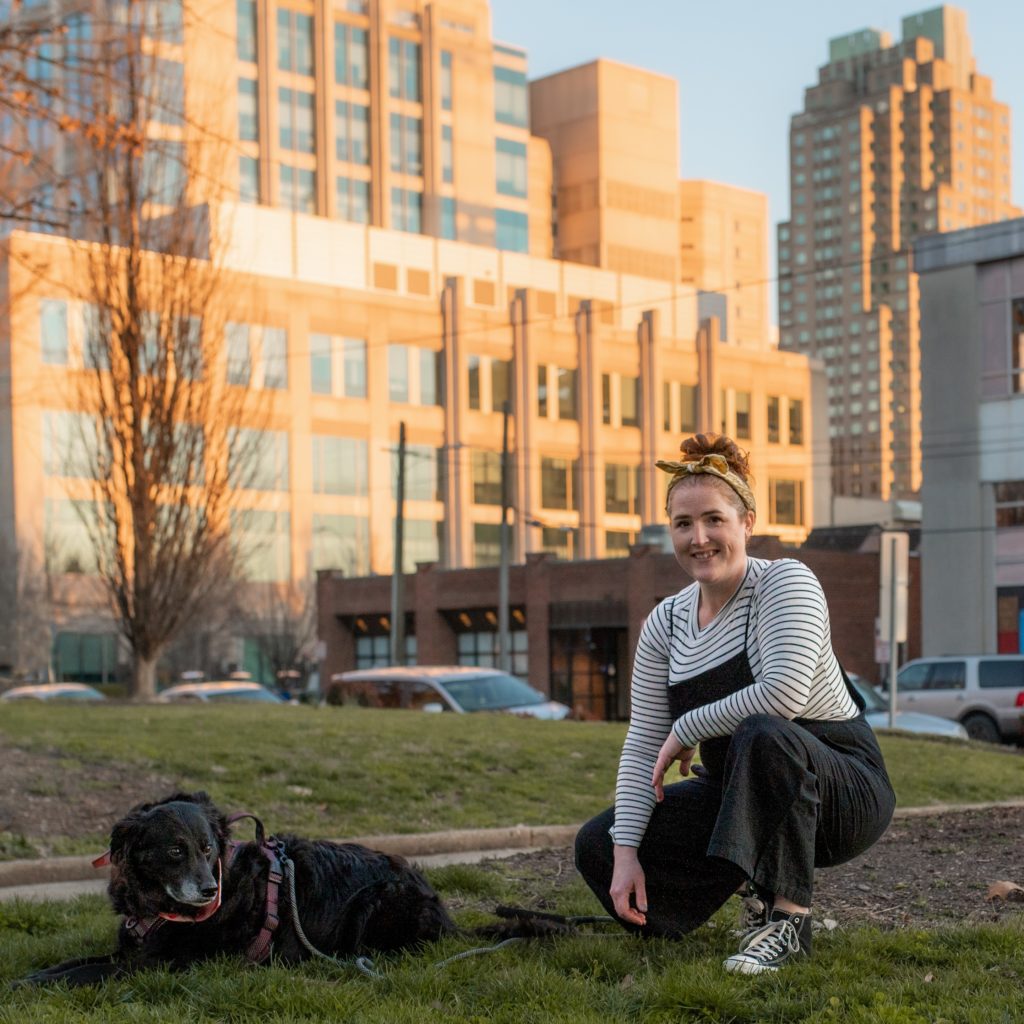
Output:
x=188 y=892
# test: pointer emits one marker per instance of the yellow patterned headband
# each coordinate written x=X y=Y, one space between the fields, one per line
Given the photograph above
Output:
x=713 y=465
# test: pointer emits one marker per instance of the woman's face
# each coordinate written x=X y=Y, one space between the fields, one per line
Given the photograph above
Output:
x=709 y=533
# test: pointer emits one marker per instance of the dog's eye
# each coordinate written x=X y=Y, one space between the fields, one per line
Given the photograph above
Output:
x=207 y=850
x=176 y=852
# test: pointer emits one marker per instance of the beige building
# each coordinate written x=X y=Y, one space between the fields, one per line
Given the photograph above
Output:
x=896 y=140
x=723 y=248
x=389 y=262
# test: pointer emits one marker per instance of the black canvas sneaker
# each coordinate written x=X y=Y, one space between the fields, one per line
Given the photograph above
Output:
x=783 y=938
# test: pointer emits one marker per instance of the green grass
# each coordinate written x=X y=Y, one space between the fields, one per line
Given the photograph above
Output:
x=354 y=771
x=862 y=976
x=401 y=772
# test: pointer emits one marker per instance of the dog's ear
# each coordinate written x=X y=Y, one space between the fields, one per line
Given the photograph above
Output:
x=122 y=833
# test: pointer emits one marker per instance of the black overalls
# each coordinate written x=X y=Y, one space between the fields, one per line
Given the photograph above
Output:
x=770 y=803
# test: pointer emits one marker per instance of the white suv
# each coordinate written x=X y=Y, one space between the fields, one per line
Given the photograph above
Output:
x=985 y=693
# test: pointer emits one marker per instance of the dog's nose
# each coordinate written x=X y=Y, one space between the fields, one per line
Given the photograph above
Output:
x=209 y=891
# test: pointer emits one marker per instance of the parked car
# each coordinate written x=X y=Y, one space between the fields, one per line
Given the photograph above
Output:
x=876 y=711
x=53 y=691
x=217 y=691
x=458 y=688
x=985 y=693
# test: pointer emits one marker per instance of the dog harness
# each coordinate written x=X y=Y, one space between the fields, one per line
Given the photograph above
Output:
x=272 y=850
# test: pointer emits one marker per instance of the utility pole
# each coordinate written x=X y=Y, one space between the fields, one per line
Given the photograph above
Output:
x=504 y=645
x=397 y=576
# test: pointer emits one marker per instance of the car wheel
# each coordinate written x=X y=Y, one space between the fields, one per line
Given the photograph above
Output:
x=981 y=727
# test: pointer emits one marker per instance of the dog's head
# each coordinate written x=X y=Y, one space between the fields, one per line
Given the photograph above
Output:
x=165 y=855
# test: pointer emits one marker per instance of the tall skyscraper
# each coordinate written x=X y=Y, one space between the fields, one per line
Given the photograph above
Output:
x=894 y=141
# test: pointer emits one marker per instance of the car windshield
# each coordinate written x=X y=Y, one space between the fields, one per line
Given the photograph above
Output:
x=243 y=694
x=78 y=695
x=492 y=692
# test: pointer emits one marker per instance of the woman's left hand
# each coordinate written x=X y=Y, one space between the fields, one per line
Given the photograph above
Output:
x=671 y=750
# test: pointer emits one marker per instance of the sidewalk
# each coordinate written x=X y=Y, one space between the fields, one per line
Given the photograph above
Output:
x=56 y=878
x=66 y=877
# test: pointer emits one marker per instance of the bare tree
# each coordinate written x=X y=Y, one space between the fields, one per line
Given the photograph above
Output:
x=281 y=620
x=25 y=638
x=163 y=434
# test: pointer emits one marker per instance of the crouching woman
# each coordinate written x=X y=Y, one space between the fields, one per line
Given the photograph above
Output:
x=739 y=663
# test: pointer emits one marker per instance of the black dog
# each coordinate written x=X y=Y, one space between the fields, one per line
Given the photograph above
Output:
x=187 y=893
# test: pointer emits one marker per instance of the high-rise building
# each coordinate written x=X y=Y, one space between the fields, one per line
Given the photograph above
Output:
x=723 y=248
x=895 y=140
x=388 y=261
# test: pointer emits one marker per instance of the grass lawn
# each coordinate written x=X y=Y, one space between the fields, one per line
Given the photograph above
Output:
x=860 y=976
x=368 y=771
x=354 y=771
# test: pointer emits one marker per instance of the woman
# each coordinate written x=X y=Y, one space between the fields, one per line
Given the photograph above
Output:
x=740 y=663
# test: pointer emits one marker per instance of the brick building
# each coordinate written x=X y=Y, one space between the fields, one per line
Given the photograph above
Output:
x=574 y=624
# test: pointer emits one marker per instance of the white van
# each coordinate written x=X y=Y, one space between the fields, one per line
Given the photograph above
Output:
x=984 y=692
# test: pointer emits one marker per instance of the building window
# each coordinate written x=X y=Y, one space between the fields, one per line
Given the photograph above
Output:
x=398 y=373
x=786 y=502
x=447 y=158
x=248 y=179
x=473 y=374
x=430 y=366
x=353 y=200
x=566 y=393
x=480 y=648
x=406 y=210
x=69 y=445
x=350 y=55
x=511 y=231
x=422 y=473
x=680 y=412
x=510 y=97
x=69 y=529
x=606 y=399
x=560 y=541
x=542 y=390
x=167 y=104
x=486 y=544
x=421 y=543
x=446 y=80
x=294 y=41
x=796 y=421
x=264 y=540
x=341 y=542
x=486 y=473
x=404 y=69
x=743 y=425
x=510 y=163
x=412 y=375
x=559 y=483
x=337 y=366
x=248 y=110
x=258 y=460
x=501 y=384
x=339 y=466
x=295 y=118
x=622 y=489
x=53 y=332
x=239 y=357
x=275 y=358
x=406 y=144
x=448 y=218
x=773 y=419
x=352 y=132
x=246 y=19
x=617 y=543
x=298 y=189
x=629 y=407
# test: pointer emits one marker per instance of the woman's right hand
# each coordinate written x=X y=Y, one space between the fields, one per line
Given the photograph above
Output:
x=628 y=880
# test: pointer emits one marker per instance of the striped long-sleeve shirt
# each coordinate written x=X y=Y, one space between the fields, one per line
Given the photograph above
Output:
x=789 y=647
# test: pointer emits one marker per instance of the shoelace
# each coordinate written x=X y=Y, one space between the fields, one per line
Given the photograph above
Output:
x=773 y=940
x=753 y=912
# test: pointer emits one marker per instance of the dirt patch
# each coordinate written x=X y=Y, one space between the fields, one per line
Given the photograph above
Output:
x=47 y=795
x=925 y=872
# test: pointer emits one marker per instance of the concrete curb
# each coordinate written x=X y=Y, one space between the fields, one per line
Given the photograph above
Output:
x=46 y=870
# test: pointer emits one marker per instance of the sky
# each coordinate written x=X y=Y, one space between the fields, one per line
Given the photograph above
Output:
x=742 y=67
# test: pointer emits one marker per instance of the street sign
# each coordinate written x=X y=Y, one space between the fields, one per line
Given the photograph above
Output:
x=893 y=584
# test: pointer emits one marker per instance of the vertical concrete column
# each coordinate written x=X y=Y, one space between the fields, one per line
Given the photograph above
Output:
x=455 y=527
x=651 y=414
x=430 y=67
x=524 y=373
x=537 y=604
x=707 y=374
x=587 y=381
x=380 y=134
